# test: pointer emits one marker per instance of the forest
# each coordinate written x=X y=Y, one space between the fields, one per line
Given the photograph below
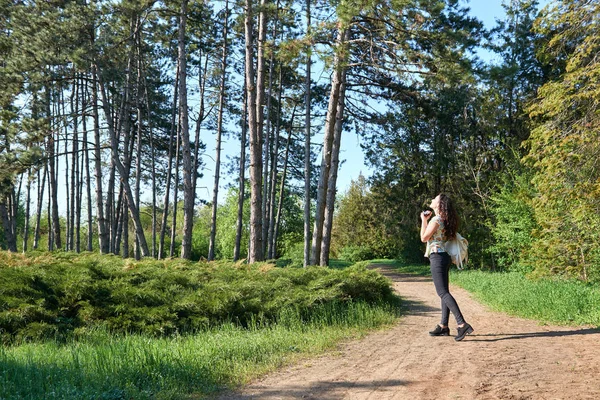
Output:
x=109 y=109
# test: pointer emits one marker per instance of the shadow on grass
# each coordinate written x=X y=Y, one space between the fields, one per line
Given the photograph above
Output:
x=322 y=390
x=496 y=337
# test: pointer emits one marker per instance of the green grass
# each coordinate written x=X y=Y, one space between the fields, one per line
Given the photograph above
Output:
x=558 y=301
x=106 y=366
x=564 y=302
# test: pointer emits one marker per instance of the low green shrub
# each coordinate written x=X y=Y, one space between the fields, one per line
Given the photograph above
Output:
x=356 y=253
x=54 y=296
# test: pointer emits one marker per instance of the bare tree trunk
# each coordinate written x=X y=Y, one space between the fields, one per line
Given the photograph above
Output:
x=27 y=211
x=135 y=216
x=38 y=217
x=103 y=239
x=282 y=186
x=327 y=147
x=9 y=237
x=52 y=181
x=175 y=196
x=255 y=114
x=75 y=205
x=213 y=225
x=188 y=188
x=138 y=106
x=86 y=160
x=273 y=188
x=242 y=186
x=333 y=171
x=163 y=222
x=202 y=79
x=53 y=194
x=307 y=152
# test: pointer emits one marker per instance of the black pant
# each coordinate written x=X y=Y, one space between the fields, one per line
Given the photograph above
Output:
x=440 y=267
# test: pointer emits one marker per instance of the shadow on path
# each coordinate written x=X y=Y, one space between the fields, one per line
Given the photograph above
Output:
x=415 y=307
x=322 y=390
x=494 y=337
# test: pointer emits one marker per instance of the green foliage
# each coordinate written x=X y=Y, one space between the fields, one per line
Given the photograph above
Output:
x=361 y=226
x=564 y=145
x=56 y=295
x=513 y=222
x=355 y=253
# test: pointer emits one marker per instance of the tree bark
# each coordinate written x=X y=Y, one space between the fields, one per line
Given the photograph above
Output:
x=103 y=239
x=27 y=211
x=255 y=252
x=307 y=151
x=213 y=225
x=282 y=186
x=38 y=217
x=327 y=148
x=333 y=172
x=273 y=189
x=173 y=132
x=188 y=188
x=241 y=184
x=133 y=210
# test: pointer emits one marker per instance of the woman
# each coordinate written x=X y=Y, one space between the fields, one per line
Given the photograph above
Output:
x=435 y=233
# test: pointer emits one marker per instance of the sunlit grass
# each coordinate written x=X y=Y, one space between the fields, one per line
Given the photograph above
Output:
x=105 y=366
x=547 y=300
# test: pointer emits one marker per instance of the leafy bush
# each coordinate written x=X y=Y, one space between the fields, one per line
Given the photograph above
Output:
x=514 y=222
x=356 y=253
x=54 y=296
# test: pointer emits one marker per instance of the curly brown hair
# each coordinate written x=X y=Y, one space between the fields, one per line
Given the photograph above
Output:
x=449 y=215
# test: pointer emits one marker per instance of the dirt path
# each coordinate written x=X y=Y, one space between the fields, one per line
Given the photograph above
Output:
x=505 y=358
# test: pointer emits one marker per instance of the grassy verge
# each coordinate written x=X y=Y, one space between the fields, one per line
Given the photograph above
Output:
x=545 y=300
x=98 y=327
x=107 y=366
x=563 y=302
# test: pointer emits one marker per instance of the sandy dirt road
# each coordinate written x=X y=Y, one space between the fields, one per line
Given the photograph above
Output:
x=505 y=358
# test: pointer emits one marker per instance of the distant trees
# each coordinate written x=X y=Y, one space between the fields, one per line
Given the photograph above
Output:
x=107 y=108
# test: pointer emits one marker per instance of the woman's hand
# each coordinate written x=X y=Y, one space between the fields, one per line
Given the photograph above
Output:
x=425 y=215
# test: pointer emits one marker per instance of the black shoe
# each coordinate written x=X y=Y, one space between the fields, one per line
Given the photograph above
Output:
x=463 y=331
x=439 y=331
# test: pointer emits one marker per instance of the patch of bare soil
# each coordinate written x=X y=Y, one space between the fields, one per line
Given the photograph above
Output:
x=504 y=358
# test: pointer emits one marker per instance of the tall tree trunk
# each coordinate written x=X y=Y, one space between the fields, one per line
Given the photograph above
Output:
x=138 y=158
x=53 y=186
x=173 y=132
x=53 y=194
x=188 y=188
x=241 y=184
x=133 y=210
x=69 y=222
x=307 y=152
x=75 y=206
x=273 y=189
x=9 y=237
x=103 y=239
x=202 y=79
x=27 y=212
x=254 y=97
x=282 y=186
x=40 y=204
x=86 y=161
x=327 y=147
x=213 y=225
x=175 y=195
x=333 y=172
